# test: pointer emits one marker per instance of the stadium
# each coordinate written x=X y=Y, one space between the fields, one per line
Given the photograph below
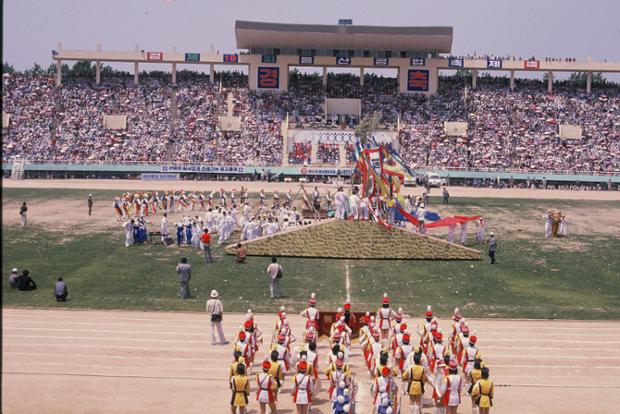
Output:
x=377 y=166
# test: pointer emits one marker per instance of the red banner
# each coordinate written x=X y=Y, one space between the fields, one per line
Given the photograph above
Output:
x=154 y=56
x=531 y=64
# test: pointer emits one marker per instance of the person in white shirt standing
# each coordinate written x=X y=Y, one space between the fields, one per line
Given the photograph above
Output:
x=215 y=309
x=274 y=270
x=340 y=199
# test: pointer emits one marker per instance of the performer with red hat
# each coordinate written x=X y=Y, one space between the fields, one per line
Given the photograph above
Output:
x=437 y=351
x=349 y=317
x=396 y=338
x=470 y=354
x=451 y=388
x=403 y=351
x=385 y=384
x=242 y=345
x=455 y=329
x=311 y=313
x=283 y=351
x=385 y=316
x=303 y=386
x=264 y=393
x=463 y=340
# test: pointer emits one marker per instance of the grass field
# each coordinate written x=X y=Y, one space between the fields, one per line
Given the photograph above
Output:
x=578 y=277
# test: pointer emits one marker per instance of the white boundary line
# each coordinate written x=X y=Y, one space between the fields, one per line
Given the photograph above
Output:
x=347 y=280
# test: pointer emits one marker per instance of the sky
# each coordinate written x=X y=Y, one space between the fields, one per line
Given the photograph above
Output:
x=562 y=28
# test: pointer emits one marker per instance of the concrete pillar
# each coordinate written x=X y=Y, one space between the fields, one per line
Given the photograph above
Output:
x=58 y=72
x=588 y=82
x=474 y=78
x=174 y=73
x=135 y=73
x=324 y=75
x=550 y=82
x=98 y=72
x=361 y=76
x=512 y=80
x=212 y=73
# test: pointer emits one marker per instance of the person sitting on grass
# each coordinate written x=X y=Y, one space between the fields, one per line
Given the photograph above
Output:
x=13 y=278
x=60 y=290
x=25 y=282
x=242 y=252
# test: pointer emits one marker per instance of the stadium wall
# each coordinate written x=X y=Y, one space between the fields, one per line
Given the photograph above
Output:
x=57 y=169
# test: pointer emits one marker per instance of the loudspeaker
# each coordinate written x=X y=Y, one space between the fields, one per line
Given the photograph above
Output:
x=168 y=241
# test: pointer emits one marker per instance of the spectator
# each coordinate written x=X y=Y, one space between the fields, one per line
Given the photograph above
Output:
x=215 y=309
x=492 y=247
x=13 y=278
x=205 y=239
x=241 y=253
x=90 y=204
x=184 y=270
x=25 y=282
x=275 y=272
x=60 y=290
x=23 y=213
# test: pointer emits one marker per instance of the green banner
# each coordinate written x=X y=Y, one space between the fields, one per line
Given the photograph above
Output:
x=192 y=57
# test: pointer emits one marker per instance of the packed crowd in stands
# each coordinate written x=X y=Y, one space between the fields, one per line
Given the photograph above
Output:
x=515 y=130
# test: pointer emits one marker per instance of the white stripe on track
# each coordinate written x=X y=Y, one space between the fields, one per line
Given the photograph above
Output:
x=347 y=280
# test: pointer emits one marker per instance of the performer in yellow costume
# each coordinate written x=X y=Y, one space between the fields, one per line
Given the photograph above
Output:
x=415 y=377
x=482 y=392
x=240 y=386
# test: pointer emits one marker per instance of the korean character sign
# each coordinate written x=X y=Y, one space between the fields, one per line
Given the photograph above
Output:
x=455 y=62
x=494 y=64
x=417 y=80
x=268 y=77
x=343 y=60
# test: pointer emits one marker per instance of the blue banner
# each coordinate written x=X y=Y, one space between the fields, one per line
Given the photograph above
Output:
x=417 y=61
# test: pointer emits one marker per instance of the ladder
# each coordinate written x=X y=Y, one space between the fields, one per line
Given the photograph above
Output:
x=17 y=170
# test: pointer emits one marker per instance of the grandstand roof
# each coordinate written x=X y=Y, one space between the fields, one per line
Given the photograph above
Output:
x=309 y=36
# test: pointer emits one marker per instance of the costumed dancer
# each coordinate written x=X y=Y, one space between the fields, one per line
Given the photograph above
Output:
x=481 y=227
x=311 y=313
x=470 y=354
x=482 y=392
x=451 y=389
x=384 y=387
x=303 y=387
x=463 y=232
x=128 y=226
x=385 y=315
x=264 y=393
x=117 y=209
x=451 y=232
x=548 y=222
x=180 y=233
x=240 y=386
x=275 y=370
x=563 y=227
x=415 y=377
x=472 y=378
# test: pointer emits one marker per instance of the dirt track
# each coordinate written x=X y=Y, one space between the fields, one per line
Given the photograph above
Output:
x=137 y=362
x=256 y=186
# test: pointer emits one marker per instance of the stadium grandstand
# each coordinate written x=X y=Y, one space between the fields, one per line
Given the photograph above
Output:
x=438 y=111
